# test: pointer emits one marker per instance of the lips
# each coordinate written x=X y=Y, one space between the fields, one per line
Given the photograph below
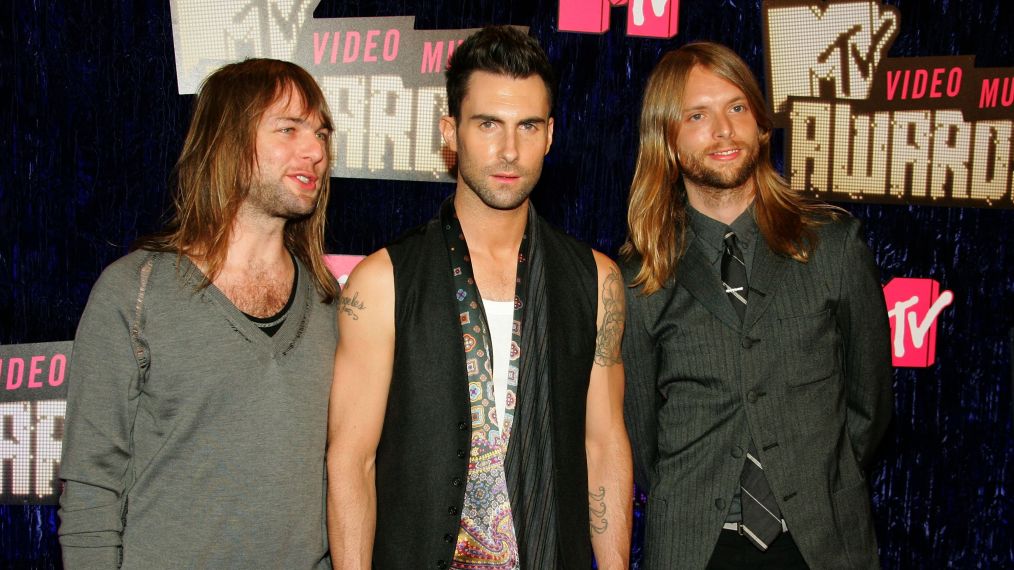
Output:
x=725 y=154
x=506 y=176
x=305 y=181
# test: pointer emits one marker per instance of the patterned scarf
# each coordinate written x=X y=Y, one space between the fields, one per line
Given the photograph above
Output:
x=518 y=522
x=486 y=538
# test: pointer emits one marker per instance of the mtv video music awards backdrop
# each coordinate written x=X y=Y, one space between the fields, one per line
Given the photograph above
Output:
x=901 y=111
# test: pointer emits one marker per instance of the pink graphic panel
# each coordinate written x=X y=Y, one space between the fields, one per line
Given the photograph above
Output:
x=653 y=18
x=588 y=16
x=341 y=265
x=913 y=306
x=645 y=18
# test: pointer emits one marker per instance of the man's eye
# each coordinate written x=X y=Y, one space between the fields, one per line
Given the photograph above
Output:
x=695 y=117
x=486 y=125
x=285 y=130
x=739 y=108
x=323 y=135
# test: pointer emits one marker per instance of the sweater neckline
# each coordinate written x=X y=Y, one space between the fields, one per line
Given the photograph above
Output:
x=288 y=334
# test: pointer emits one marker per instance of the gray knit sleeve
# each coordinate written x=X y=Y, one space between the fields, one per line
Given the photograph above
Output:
x=103 y=387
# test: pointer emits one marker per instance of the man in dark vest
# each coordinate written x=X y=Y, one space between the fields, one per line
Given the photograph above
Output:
x=476 y=413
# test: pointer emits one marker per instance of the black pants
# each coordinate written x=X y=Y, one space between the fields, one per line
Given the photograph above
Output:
x=736 y=552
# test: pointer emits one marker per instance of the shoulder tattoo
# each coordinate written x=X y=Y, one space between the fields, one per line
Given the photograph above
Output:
x=610 y=333
x=351 y=305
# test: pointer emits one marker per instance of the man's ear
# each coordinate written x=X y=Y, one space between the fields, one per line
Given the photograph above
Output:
x=549 y=134
x=449 y=132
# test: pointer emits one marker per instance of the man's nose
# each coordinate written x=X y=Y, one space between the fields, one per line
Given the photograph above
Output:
x=723 y=127
x=312 y=147
x=509 y=147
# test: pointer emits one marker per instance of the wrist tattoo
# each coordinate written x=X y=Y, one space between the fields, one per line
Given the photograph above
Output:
x=597 y=511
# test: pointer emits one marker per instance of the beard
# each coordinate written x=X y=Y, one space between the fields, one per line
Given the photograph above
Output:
x=274 y=200
x=493 y=195
x=694 y=169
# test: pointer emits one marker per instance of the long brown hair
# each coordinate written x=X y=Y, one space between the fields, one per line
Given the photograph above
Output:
x=656 y=212
x=215 y=169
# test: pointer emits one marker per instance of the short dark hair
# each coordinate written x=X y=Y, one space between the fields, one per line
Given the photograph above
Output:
x=503 y=50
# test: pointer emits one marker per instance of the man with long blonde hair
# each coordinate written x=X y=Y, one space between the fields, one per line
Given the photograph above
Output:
x=197 y=403
x=756 y=349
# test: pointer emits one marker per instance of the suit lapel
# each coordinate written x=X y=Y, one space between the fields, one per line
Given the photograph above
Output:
x=698 y=277
x=765 y=276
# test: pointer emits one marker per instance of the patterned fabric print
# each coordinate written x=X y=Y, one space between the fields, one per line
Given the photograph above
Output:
x=486 y=538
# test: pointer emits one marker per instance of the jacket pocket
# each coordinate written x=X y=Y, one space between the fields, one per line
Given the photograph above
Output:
x=855 y=526
x=810 y=345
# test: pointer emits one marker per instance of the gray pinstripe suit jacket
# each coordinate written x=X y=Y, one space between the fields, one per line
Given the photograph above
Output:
x=807 y=374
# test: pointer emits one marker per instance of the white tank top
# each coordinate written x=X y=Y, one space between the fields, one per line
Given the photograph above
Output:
x=500 y=318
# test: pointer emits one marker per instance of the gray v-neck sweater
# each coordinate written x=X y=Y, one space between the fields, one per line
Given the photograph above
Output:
x=206 y=448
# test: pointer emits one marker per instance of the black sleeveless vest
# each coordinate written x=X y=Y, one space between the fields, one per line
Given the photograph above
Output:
x=422 y=458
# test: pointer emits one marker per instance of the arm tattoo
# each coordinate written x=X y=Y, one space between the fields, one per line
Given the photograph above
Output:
x=607 y=341
x=350 y=305
x=597 y=511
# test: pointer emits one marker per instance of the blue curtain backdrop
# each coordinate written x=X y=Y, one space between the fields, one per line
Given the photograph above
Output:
x=92 y=123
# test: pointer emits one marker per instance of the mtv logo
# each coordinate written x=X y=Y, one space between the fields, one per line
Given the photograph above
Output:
x=913 y=306
x=208 y=35
x=830 y=50
x=341 y=266
x=645 y=18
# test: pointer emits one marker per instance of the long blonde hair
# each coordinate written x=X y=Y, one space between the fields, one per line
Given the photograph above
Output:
x=215 y=169
x=656 y=213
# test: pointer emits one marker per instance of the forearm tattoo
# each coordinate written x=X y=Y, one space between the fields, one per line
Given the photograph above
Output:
x=607 y=341
x=597 y=511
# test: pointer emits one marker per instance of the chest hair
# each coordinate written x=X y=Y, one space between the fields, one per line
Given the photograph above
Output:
x=495 y=281
x=258 y=292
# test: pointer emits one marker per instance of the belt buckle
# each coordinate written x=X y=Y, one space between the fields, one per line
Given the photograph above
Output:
x=739 y=528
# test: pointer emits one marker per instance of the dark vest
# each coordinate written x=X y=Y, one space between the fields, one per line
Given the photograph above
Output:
x=422 y=458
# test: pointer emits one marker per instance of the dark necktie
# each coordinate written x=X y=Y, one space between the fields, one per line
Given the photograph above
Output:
x=734 y=273
x=762 y=520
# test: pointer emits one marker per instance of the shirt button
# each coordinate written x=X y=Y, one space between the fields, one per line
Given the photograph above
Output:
x=751 y=397
x=737 y=451
x=748 y=342
x=720 y=504
x=462 y=426
x=442 y=564
x=461 y=454
x=452 y=510
x=456 y=481
x=448 y=538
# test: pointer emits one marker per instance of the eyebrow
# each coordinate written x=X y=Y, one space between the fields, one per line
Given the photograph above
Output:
x=483 y=117
x=298 y=121
x=737 y=99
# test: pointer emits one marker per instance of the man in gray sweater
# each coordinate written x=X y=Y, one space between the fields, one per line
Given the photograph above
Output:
x=197 y=405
